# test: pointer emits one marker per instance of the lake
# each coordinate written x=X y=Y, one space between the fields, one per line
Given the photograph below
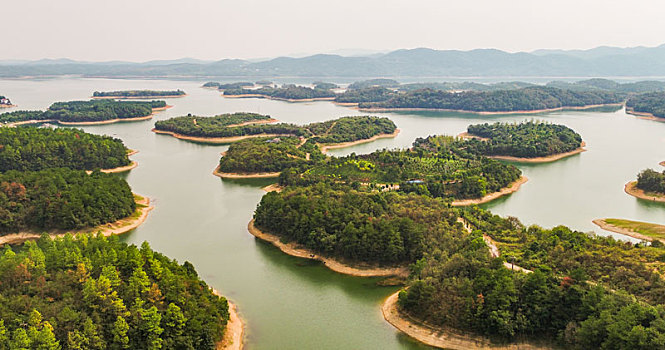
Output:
x=291 y=303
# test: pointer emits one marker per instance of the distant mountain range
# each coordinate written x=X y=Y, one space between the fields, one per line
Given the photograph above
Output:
x=412 y=63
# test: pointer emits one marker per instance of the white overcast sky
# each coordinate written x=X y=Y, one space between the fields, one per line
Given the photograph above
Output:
x=140 y=30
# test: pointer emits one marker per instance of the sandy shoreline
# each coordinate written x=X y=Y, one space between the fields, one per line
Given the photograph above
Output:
x=216 y=172
x=643 y=115
x=624 y=231
x=8 y=106
x=121 y=169
x=492 y=196
x=546 y=159
x=113 y=228
x=215 y=140
x=235 y=328
x=535 y=111
x=293 y=250
x=273 y=188
x=325 y=147
x=632 y=190
x=280 y=99
x=438 y=337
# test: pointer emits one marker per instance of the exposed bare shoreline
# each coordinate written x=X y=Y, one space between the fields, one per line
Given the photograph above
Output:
x=293 y=250
x=643 y=115
x=216 y=172
x=624 y=231
x=546 y=159
x=114 y=228
x=492 y=196
x=280 y=99
x=121 y=169
x=273 y=188
x=439 y=337
x=8 y=106
x=215 y=140
x=235 y=328
x=632 y=190
x=535 y=111
x=325 y=147
x=101 y=122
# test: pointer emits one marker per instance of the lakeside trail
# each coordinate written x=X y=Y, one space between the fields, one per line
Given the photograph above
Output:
x=216 y=172
x=492 y=196
x=293 y=250
x=325 y=147
x=235 y=328
x=440 y=337
x=632 y=190
x=536 y=111
x=624 y=231
x=113 y=228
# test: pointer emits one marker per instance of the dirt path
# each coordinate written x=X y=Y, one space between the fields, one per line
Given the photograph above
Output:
x=492 y=196
x=293 y=250
x=114 y=228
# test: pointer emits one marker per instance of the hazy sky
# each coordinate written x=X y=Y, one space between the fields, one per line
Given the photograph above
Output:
x=140 y=30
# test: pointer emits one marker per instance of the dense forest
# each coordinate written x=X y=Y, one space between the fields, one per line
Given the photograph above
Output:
x=138 y=93
x=653 y=103
x=582 y=293
x=370 y=94
x=448 y=171
x=62 y=198
x=526 y=99
x=226 y=125
x=525 y=140
x=268 y=155
x=649 y=180
x=42 y=148
x=98 y=293
x=322 y=85
x=364 y=84
x=287 y=92
x=86 y=111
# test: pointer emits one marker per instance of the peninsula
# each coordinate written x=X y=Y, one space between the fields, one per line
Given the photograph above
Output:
x=650 y=185
x=641 y=230
x=138 y=94
x=648 y=105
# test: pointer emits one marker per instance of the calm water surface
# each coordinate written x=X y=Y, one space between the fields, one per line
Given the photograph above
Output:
x=290 y=303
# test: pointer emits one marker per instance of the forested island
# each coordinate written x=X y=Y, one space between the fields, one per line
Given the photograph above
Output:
x=227 y=128
x=41 y=148
x=370 y=94
x=139 y=94
x=5 y=102
x=525 y=100
x=527 y=141
x=648 y=105
x=574 y=298
x=287 y=92
x=86 y=112
x=224 y=86
x=93 y=292
x=650 y=185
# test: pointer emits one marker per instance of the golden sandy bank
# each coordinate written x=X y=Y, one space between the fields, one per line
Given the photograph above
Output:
x=535 y=111
x=492 y=196
x=325 y=147
x=215 y=140
x=624 y=231
x=114 y=228
x=632 y=190
x=643 y=115
x=273 y=188
x=546 y=159
x=235 y=328
x=293 y=250
x=216 y=172
x=439 y=337
x=8 y=106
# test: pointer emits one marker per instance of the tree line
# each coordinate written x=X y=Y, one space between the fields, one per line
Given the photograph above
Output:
x=86 y=111
x=653 y=102
x=138 y=93
x=287 y=92
x=650 y=180
x=92 y=292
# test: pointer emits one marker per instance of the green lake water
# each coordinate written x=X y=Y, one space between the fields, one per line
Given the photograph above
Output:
x=290 y=303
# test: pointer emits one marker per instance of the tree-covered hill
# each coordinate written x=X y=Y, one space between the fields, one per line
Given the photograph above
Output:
x=86 y=111
x=525 y=140
x=138 y=93
x=285 y=92
x=98 y=293
x=42 y=148
x=652 y=103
